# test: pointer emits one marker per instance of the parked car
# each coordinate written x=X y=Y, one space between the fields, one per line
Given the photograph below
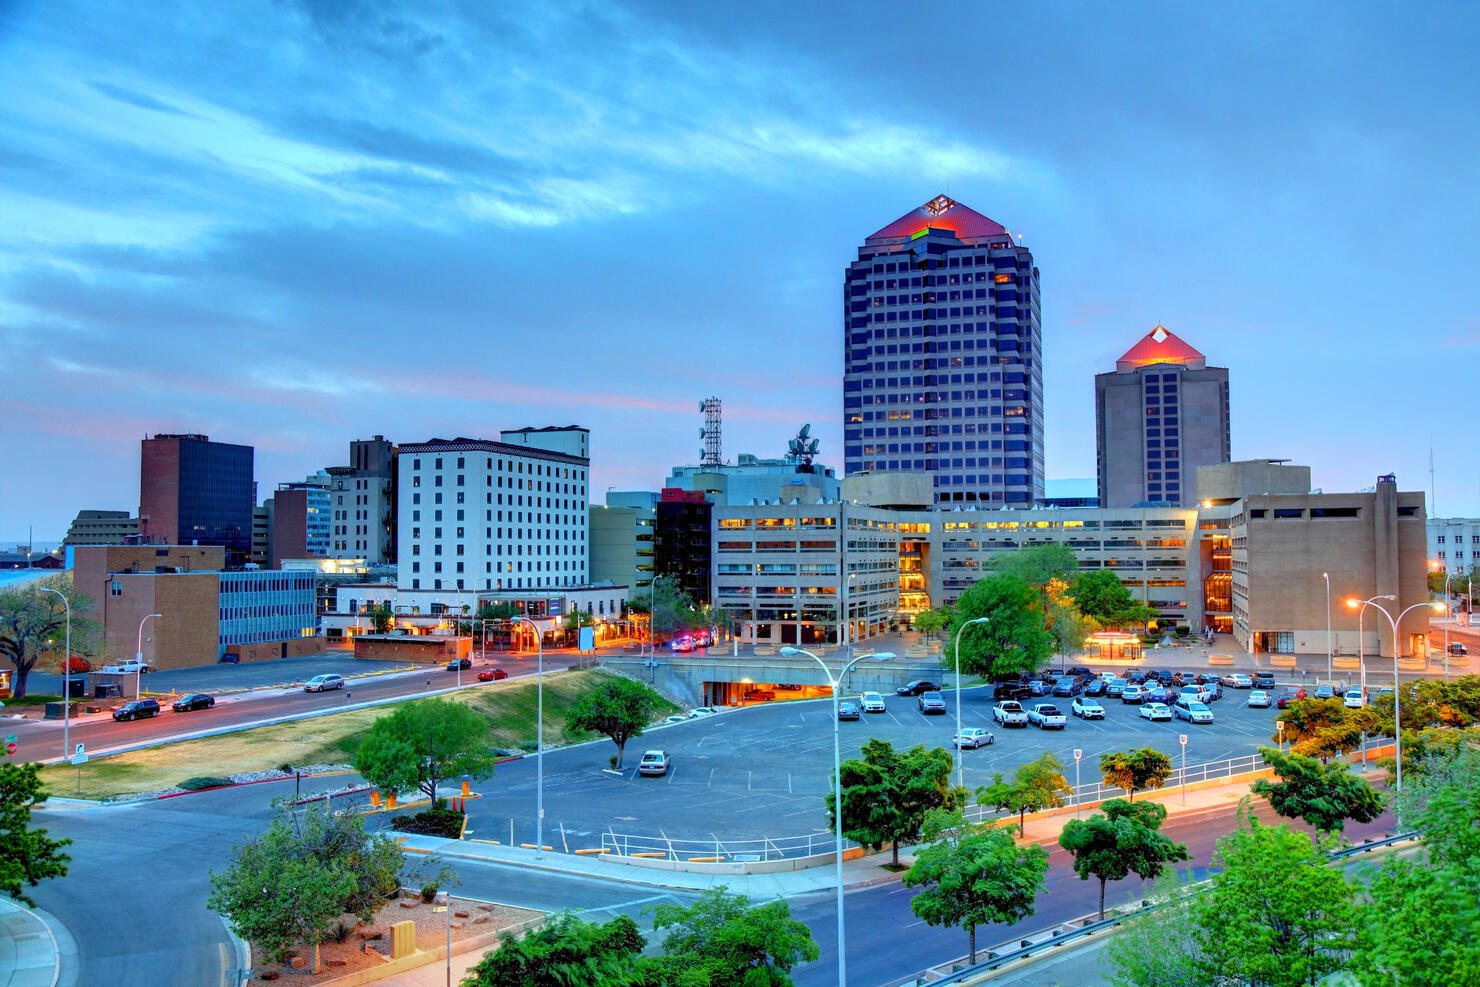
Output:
x=1096 y=687
x=194 y=700
x=1238 y=680
x=1192 y=711
x=654 y=763
x=973 y=737
x=1458 y=648
x=1080 y=670
x=1087 y=709
x=1010 y=714
x=128 y=666
x=1259 y=699
x=1011 y=690
x=1038 y=688
x=137 y=709
x=457 y=664
x=1288 y=696
x=492 y=674
x=1133 y=694
x=1068 y=686
x=1155 y=711
x=702 y=639
x=682 y=645
x=1137 y=677
x=872 y=702
x=1264 y=680
x=932 y=703
x=1325 y=692
x=702 y=711
x=1115 y=687
x=1160 y=694
x=917 y=687
x=1353 y=699
x=1046 y=716
x=323 y=683
x=759 y=696
x=847 y=710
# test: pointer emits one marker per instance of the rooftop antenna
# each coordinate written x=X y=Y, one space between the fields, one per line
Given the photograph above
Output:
x=710 y=433
x=1433 y=510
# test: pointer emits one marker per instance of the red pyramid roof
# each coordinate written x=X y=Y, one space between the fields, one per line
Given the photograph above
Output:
x=1160 y=346
x=943 y=213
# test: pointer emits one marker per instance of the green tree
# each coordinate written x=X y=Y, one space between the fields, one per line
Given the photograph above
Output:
x=310 y=868
x=722 y=940
x=671 y=608
x=1122 y=838
x=1275 y=914
x=1136 y=770
x=618 y=709
x=979 y=878
x=27 y=856
x=380 y=618
x=1325 y=796
x=1013 y=640
x=578 y=618
x=1038 y=565
x=563 y=952
x=1159 y=946
x=1100 y=594
x=423 y=743
x=497 y=611
x=33 y=623
x=1324 y=728
x=932 y=622
x=888 y=795
x=1036 y=785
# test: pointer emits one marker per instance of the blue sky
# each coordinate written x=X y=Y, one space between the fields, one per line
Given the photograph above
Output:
x=291 y=224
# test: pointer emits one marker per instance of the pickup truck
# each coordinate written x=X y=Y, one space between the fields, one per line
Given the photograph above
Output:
x=1010 y=714
x=1046 y=716
x=127 y=666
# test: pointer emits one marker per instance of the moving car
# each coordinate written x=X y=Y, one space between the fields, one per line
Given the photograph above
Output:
x=1192 y=711
x=459 y=663
x=1047 y=717
x=654 y=763
x=1288 y=696
x=1259 y=698
x=1133 y=694
x=1010 y=714
x=137 y=709
x=323 y=683
x=1238 y=680
x=973 y=737
x=1155 y=711
x=1087 y=709
x=194 y=700
x=917 y=687
x=683 y=644
x=872 y=702
x=492 y=674
x=847 y=710
x=932 y=703
x=1353 y=699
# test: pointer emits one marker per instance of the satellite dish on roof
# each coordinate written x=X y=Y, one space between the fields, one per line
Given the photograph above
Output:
x=701 y=405
x=701 y=433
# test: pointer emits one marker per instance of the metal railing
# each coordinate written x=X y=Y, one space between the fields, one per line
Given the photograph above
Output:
x=718 y=850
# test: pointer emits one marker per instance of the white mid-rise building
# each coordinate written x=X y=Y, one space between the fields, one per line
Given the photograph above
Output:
x=1454 y=543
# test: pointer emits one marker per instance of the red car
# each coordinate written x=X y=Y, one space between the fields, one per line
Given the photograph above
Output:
x=1288 y=696
x=489 y=674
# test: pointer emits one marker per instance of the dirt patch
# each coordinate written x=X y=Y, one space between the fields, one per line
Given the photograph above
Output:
x=361 y=950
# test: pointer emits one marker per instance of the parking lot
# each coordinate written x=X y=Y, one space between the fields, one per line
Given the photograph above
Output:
x=760 y=772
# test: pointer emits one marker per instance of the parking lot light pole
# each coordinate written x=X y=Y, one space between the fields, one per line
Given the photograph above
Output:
x=1280 y=726
x=539 y=740
x=1183 y=739
x=835 y=684
x=66 y=670
x=1329 y=650
x=1077 y=755
x=961 y=751
x=139 y=653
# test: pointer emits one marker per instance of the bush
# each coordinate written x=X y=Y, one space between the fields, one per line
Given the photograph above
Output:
x=30 y=700
x=205 y=781
x=341 y=931
x=285 y=768
x=433 y=822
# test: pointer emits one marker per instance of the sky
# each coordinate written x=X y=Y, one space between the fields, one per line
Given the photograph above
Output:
x=293 y=223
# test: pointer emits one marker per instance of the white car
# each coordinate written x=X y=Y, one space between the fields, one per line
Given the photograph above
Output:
x=973 y=737
x=676 y=718
x=1132 y=693
x=1155 y=711
x=654 y=763
x=1353 y=699
x=128 y=666
x=1192 y=711
x=1238 y=680
x=1046 y=716
x=872 y=702
x=1087 y=709
x=1260 y=699
x=701 y=711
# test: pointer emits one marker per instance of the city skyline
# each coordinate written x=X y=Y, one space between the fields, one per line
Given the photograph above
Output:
x=360 y=219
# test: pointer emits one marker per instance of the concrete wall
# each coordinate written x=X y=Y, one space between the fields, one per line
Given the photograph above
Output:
x=1230 y=481
x=297 y=648
x=184 y=636
x=427 y=649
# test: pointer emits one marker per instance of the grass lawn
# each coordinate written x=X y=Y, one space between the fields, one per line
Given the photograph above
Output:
x=509 y=707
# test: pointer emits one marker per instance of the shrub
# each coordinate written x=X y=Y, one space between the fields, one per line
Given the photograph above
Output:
x=341 y=931
x=429 y=893
x=205 y=781
x=433 y=822
x=286 y=769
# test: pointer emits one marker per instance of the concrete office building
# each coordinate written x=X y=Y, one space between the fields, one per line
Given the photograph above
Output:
x=751 y=478
x=1454 y=545
x=301 y=522
x=1161 y=415
x=363 y=515
x=102 y=528
x=193 y=491
x=943 y=357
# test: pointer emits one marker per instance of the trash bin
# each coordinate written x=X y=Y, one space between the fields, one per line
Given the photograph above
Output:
x=106 y=691
x=76 y=688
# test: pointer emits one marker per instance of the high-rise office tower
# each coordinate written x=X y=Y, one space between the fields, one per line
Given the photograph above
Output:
x=193 y=491
x=1160 y=415
x=943 y=363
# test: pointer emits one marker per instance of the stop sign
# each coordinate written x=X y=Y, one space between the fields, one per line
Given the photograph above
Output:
x=10 y=745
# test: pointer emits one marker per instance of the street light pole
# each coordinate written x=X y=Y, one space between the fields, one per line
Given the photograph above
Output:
x=1078 y=753
x=961 y=751
x=838 y=785
x=1183 y=739
x=1330 y=651
x=139 y=653
x=66 y=671
x=539 y=742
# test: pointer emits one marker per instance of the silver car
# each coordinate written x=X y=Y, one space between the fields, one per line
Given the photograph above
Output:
x=1260 y=699
x=654 y=763
x=323 y=683
x=973 y=737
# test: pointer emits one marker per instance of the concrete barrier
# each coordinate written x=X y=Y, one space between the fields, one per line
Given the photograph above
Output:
x=1220 y=659
x=1343 y=662
x=1281 y=661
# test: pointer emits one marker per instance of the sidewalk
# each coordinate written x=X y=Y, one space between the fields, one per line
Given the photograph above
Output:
x=35 y=949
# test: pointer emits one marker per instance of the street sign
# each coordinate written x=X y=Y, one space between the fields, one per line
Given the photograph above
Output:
x=10 y=745
x=81 y=751
x=78 y=759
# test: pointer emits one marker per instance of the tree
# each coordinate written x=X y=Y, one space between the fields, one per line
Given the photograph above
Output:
x=1136 y=770
x=671 y=608
x=1325 y=796
x=562 y=952
x=1100 y=594
x=1013 y=640
x=425 y=742
x=1122 y=838
x=1275 y=914
x=32 y=622
x=617 y=708
x=1038 y=565
x=497 y=611
x=1325 y=728
x=888 y=795
x=977 y=879
x=380 y=617
x=27 y=856
x=291 y=883
x=1159 y=946
x=1036 y=785
x=932 y=622
x=578 y=618
x=722 y=940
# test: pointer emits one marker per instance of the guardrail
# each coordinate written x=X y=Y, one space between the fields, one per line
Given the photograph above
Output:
x=717 y=850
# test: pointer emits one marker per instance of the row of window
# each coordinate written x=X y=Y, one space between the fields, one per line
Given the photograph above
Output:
x=1459 y=539
x=517 y=582
x=513 y=466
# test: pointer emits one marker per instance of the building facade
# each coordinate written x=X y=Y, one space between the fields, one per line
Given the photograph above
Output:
x=193 y=491
x=1159 y=416
x=301 y=520
x=364 y=503
x=681 y=541
x=1454 y=545
x=943 y=358
x=102 y=528
x=621 y=533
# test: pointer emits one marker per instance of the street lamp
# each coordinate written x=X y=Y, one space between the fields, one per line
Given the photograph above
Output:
x=1329 y=650
x=66 y=670
x=1449 y=619
x=835 y=684
x=539 y=742
x=1397 y=696
x=961 y=751
x=1280 y=726
x=1077 y=755
x=139 y=653
x=1183 y=739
